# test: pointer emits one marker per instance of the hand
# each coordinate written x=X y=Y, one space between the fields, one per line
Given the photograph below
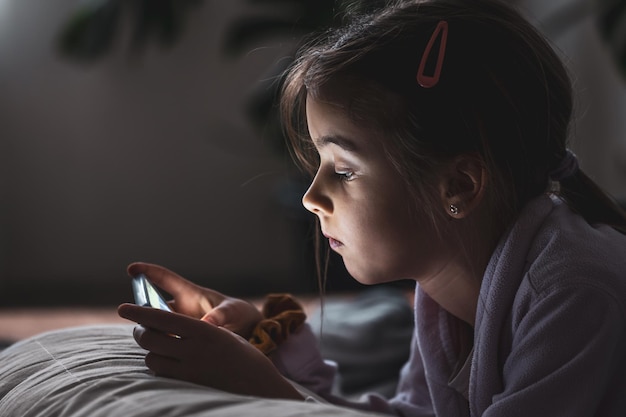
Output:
x=236 y=315
x=204 y=354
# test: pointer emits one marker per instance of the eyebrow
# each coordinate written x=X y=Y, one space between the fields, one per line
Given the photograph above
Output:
x=344 y=143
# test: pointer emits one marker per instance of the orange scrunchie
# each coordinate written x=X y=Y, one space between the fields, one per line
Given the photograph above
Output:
x=283 y=315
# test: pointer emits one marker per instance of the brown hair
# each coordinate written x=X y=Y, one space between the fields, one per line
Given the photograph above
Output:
x=504 y=95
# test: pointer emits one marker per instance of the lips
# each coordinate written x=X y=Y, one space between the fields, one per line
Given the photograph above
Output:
x=332 y=242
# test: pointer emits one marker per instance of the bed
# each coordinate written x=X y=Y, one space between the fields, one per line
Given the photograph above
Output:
x=98 y=370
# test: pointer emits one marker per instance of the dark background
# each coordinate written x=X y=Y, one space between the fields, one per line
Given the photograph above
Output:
x=151 y=154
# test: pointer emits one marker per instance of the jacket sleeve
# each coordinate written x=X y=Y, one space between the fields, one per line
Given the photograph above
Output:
x=567 y=356
x=299 y=359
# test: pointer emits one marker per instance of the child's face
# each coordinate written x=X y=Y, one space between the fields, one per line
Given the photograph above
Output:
x=363 y=204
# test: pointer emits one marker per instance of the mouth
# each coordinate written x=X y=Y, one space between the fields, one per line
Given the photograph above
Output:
x=332 y=242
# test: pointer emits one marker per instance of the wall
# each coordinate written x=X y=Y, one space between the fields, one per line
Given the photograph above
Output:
x=136 y=158
x=150 y=158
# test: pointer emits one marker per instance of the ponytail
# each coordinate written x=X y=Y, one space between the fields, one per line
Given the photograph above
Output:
x=584 y=196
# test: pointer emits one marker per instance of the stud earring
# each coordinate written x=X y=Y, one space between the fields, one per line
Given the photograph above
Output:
x=454 y=209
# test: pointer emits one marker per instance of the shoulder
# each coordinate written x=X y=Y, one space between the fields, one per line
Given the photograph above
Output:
x=569 y=255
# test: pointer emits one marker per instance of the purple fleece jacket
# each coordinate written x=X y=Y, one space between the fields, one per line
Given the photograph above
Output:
x=550 y=334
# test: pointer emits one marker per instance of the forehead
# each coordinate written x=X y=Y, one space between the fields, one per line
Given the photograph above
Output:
x=328 y=123
x=363 y=101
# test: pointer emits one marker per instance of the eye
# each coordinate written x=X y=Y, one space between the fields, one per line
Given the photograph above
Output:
x=345 y=175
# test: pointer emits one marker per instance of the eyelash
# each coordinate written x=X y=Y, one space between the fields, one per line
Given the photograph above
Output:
x=345 y=175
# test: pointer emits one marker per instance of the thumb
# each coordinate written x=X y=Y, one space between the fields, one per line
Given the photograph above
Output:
x=216 y=317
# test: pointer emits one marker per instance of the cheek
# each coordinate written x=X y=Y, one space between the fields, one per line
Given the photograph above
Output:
x=386 y=246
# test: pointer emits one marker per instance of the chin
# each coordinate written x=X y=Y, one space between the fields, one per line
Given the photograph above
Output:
x=367 y=278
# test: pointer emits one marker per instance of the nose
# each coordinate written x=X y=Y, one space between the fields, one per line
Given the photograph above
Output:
x=315 y=200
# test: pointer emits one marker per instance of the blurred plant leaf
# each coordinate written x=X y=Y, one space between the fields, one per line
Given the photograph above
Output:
x=283 y=19
x=162 y=19
x=90 y=30
x=89 y=33
x=251 y=30
x=291 y=20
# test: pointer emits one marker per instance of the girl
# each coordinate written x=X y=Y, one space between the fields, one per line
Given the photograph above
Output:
x=436 y=131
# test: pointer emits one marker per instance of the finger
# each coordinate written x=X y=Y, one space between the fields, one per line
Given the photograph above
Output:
x=157 y=342
x=151 y=317
x=163 y=321
x=160 y=276
x=217 y=317
x=171 y=282
x=136 y=268
x=162 y=365
x=226 y=315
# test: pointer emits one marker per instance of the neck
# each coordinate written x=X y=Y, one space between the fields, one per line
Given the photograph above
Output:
x=454 y=291
x=455 y=286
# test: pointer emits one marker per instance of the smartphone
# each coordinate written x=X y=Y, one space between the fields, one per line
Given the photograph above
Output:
x=147 y=294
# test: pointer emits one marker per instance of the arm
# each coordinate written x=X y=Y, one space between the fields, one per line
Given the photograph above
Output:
x=565 y=351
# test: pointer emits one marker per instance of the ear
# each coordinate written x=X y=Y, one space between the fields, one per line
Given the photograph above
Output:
x=463 y=185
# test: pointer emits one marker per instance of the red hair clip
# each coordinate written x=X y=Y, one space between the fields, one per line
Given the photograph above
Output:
x=428 y=81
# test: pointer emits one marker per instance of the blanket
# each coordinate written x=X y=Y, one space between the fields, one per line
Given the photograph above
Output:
x=98 y=371
x=368 y=337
